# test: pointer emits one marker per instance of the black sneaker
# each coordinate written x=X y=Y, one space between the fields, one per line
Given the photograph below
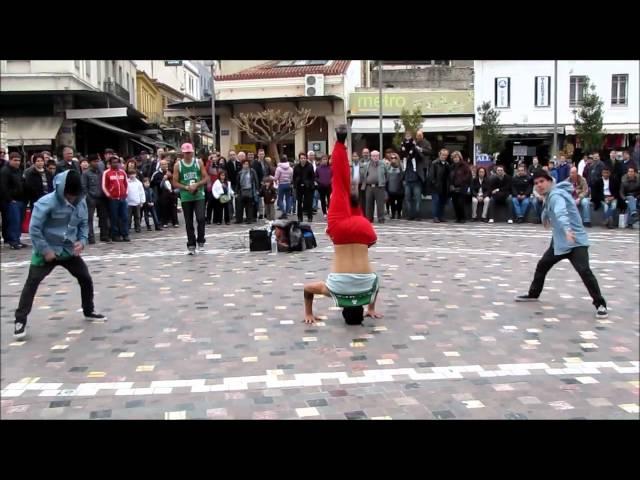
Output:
x=126 y=239
x=601 y=312
x=176 y=225
x=19 y=330
x=117 y=239
x=92 y=241
x=587 y=224
x=149 y=229
x=526 y=298
x=16 y=246
x=93 y=316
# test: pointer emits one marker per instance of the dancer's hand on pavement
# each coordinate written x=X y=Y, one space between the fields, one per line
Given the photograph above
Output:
x=77 y=248
x=373 y=314
x=49 y=257
x=310 y=319
x=571 y=237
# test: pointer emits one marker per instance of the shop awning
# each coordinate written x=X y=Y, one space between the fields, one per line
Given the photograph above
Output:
x=613 y=128
x=431 y=124
x=531 y=130
x=148 y=141
x=32 y=130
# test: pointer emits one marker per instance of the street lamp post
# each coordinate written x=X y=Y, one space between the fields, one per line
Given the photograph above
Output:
x=380 y=95
x=555 y=109
x=213 y=105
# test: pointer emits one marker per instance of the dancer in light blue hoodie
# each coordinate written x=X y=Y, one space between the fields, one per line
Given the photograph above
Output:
x=569 y=240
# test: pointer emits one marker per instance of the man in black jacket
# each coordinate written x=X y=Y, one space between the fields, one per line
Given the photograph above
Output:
x=92 y=189
x=439 y=177
x=414 y=167
x=303 y=180
x=423 y=146
x=67 y=162
x=12 y=197
x=521 y=189
x=500 y=193
x=256 y=166
x=605 y=192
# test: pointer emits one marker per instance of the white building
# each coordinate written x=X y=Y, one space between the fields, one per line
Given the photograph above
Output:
x=54 y=103
x=323 y=86
x=181 y=75
x=522 y=91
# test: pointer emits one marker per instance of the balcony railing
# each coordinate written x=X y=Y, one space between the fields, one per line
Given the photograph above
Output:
x=117 y=90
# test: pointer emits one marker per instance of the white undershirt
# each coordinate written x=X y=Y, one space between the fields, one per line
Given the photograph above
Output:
x=607 y=190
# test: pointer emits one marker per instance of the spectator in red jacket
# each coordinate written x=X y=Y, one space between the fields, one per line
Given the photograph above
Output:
x=114 y=185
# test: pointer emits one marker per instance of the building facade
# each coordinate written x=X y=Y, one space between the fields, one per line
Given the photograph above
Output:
x=85 y=104
x=523 y=93
x=442 y=89
x=283 y=85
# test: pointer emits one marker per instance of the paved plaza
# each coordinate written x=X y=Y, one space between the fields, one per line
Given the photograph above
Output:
x=220 y=335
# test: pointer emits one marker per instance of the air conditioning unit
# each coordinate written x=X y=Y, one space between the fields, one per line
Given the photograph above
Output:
x=314 y=85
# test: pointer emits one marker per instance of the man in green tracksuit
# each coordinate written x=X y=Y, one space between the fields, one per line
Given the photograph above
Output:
x=190 y=176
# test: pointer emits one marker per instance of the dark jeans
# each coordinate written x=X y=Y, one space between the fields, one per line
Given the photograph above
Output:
x=91 y=206
x=501 y=200
x=147 y=211
x=395 y=201
x=413 y=197
x=285 y=198
x=325 y=196
x=5 y=221
x=134 y=211
x=168 y=208
x=188 y=209
x=15 y=215
x=119 y=218
x=74 y=265
x=458 y=199
x=375 y=198
x=438 y=202
x=104 y=222
x=579 y=258
x=305 y=201
x=220 y=209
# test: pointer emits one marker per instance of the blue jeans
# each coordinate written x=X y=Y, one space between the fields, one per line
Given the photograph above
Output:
x=520 y=207
x=413 y=197
x=15 y=215
x=585 y=210
x=609 y=209
x=632 y=206
x=119 y=212
x=438 y=202
x=316 y=197
x=285 y=195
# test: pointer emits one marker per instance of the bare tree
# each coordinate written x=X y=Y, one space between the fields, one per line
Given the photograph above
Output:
x=271 y=126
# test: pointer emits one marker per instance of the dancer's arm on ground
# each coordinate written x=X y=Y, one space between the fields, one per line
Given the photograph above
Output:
x=311 y=289
x=371 y=309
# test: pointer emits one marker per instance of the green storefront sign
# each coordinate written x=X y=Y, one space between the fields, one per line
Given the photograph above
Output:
x=431 y=103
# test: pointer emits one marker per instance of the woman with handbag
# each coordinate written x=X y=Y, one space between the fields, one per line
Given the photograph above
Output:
x=222 y=194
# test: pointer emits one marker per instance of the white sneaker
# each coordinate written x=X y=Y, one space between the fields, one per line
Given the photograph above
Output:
x=602 y=312
x=491 y=220
x=509 y=221
x=19 y=331
x=201 y=247
x=192 y=250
